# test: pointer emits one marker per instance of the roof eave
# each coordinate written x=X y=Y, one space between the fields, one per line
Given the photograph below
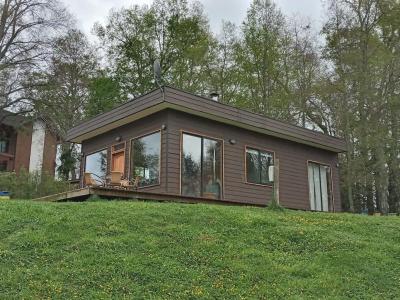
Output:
x=165 y=105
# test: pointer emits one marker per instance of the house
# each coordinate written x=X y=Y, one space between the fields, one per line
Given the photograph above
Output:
x=25 y=144
x=177 y=144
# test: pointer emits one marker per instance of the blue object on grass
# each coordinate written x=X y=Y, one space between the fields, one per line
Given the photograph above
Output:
x=4 y=193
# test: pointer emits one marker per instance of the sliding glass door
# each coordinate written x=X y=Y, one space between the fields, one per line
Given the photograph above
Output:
x=319 y=180
x=201 y=171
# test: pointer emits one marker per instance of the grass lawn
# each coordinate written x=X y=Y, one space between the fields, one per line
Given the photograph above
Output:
x=136 y=250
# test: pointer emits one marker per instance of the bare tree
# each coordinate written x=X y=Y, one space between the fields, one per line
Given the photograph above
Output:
x=26 y=28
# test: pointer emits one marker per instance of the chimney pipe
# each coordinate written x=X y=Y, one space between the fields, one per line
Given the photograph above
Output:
x=214 y=96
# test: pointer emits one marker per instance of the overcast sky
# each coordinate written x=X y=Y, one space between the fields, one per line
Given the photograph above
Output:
x=87 y=12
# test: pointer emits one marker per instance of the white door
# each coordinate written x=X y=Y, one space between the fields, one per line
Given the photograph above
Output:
x=319 y=186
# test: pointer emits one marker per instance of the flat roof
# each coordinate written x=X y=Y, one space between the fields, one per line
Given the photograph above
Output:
x=176 y=99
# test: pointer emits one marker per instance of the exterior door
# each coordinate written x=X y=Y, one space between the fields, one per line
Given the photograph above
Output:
x=118 y=162
x=319 y=180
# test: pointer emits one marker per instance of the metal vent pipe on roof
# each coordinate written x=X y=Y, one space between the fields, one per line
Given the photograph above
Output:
x=214 y=96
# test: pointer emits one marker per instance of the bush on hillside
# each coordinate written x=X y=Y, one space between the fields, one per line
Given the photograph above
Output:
x=25 y=185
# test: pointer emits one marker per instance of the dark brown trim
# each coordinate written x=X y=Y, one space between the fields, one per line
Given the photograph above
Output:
x=217 y=111
x=203 y=107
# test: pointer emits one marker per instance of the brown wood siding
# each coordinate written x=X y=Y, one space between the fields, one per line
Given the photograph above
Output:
x=293 y=159
x=128 y=132
x=49 y=153
x=23 y=148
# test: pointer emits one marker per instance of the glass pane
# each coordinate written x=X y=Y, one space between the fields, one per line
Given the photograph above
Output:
x=317 y=186
x=266 y=162
x=96 y=164
x=324 y=171
x=252 y=166
x=212 y=169
x=319 y=177
x=191 y=165
x=146 y=159
x=311 y=186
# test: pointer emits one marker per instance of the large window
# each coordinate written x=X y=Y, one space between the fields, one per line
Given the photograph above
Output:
x=145 y=152
x=319 y=180
x=201 y=167
x=96 y=163
x=258 y=165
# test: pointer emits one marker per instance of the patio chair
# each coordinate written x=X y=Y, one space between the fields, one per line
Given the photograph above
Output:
x=136 y=182
x=115 y=179
x=88 y=180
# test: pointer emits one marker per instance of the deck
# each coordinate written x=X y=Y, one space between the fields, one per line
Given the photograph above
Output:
x=121 y=194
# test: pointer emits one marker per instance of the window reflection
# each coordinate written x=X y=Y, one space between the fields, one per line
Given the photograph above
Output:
x=191 y=165
x=212 y=181
x=258 y=164
x=201 y=167
x=96 y=163
x=146 y=159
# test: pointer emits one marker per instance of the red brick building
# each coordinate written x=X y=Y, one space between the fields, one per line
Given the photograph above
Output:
x=26 y=144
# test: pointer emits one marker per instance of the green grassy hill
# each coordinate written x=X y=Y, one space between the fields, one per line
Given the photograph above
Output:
x=165 y=250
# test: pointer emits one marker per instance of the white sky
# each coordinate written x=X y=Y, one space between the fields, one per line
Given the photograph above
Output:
x=87 y=12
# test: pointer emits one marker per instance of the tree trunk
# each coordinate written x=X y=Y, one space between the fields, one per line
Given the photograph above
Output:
x=381 y=180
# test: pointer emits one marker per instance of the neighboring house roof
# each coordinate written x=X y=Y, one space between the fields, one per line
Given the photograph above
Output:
x=12 y=119
x=176 y=99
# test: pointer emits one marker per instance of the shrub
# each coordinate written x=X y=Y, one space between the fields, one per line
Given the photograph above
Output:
x=25 y=185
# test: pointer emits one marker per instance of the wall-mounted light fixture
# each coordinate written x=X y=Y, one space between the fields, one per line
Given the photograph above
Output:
x=163 y=126
x=232 y=141
x=118 y=138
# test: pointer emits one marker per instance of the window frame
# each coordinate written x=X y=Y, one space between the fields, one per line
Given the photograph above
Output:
x=93 y=152
x=202 y=136
x=331 y=201
x=271 y=183
x=130 y=160
x=116 y=144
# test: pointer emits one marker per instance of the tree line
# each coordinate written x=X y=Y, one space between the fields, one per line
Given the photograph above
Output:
x=342 y=81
